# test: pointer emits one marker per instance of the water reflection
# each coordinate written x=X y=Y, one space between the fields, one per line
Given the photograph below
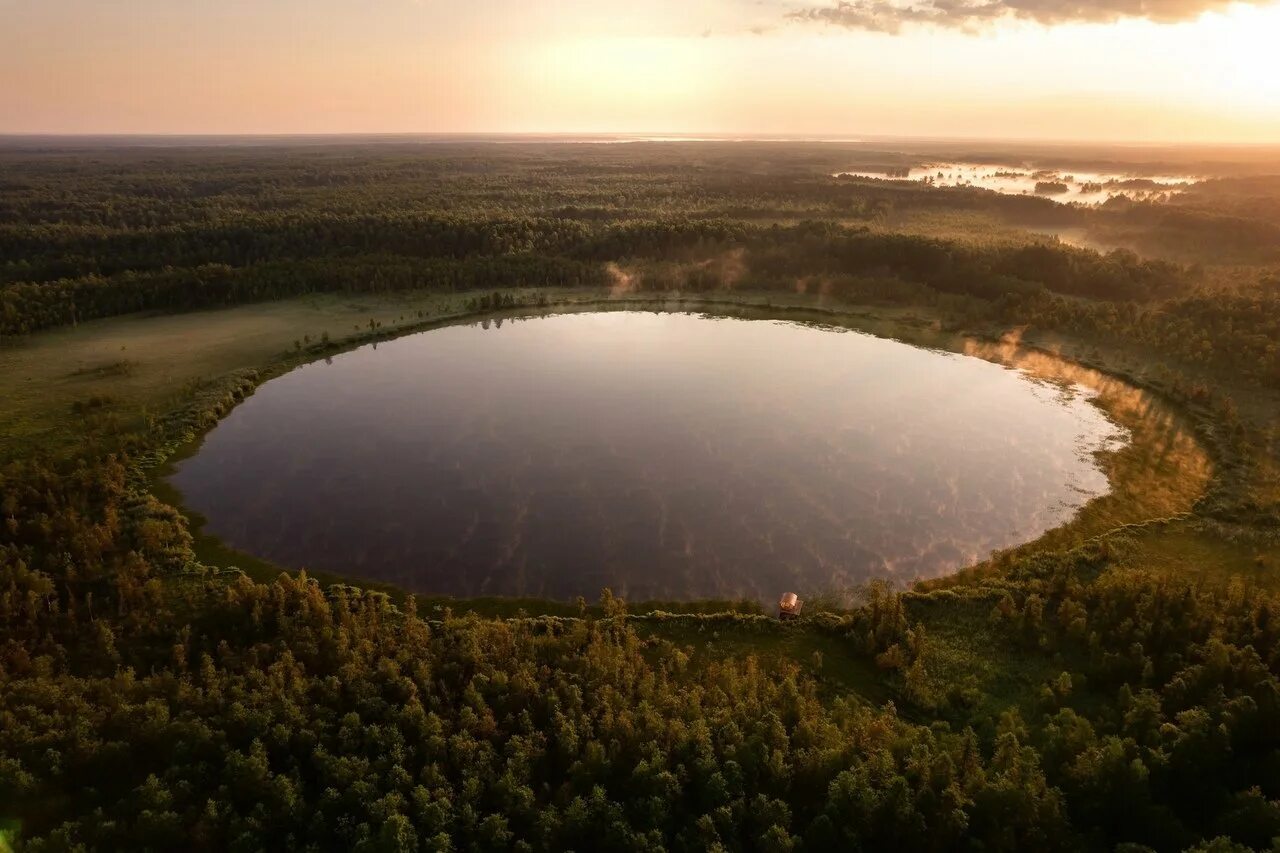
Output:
x=1062 y=185
x=664 y=455
x=1162 y=471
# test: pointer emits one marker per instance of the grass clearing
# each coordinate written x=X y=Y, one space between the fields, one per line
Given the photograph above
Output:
x=144 y=363
x=966 y=658
x=836 y=666
x=1211 y=556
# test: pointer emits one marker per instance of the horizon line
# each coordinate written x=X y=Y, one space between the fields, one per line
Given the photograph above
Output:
x=654 y=137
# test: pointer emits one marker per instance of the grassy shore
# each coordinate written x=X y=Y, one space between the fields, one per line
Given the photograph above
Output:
x=139 y=367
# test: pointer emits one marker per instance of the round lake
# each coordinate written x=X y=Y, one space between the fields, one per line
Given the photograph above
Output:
x=667 y=456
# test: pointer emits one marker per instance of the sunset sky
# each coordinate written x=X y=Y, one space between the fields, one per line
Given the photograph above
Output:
x=1196 y=70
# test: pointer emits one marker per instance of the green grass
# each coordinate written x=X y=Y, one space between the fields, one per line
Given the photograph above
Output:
x=147 y=364
x=839 y=670
x=969 y=661
x=1207 y=555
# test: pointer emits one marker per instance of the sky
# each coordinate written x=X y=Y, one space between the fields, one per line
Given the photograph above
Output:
x=1122 y=70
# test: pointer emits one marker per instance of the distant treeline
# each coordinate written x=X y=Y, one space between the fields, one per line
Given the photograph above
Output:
x=176 y=270
x=29 y=307
x=84 y=237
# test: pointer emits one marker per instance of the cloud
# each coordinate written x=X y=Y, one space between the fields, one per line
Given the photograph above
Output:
x=885 y=16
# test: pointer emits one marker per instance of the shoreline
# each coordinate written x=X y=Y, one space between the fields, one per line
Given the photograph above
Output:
x=1114 y=394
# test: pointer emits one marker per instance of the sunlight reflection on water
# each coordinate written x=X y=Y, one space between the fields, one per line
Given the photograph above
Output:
x=668 y=456
x=1062 y=185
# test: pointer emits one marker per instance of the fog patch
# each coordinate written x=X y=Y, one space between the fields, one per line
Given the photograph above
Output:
x=1074 y=186
x=621 y=282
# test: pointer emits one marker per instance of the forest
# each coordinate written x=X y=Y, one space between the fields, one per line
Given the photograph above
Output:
x=1119 y=691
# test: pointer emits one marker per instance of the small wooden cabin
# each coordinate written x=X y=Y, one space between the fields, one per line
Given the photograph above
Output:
x=789 y=606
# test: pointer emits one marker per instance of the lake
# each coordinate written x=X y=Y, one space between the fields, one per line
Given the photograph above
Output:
x=1088 y=187
x=665 y=455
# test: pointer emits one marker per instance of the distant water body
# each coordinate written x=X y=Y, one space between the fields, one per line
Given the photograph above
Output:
x=1077 y=186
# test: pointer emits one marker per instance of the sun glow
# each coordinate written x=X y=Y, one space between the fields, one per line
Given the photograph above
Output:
x=626 y=73
x=704 y=66
x=1241 y=62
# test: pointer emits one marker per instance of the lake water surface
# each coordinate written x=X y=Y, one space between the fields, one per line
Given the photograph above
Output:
x=671 y=456
x=1073 y=185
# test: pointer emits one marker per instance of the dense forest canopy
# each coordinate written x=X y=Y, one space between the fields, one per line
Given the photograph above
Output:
x=1120 y=691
